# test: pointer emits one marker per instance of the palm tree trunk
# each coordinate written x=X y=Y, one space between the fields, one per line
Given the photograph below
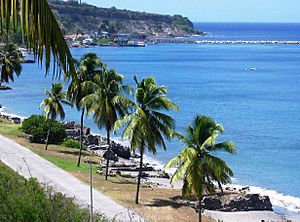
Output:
x=108 y=142
x=220 y=186
x=81 y=137
x=200 y=209
x=51 y=122
x=140 y=174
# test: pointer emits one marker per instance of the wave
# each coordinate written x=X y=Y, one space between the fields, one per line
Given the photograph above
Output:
x=288 y=202
x=2 y=112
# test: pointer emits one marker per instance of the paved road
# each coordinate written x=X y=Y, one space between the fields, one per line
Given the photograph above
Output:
x=28 y=164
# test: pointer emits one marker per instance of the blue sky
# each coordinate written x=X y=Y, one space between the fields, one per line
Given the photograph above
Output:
x=215 y=10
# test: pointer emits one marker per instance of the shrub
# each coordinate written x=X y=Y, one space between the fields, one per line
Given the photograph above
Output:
x=37 y=126
x=27 y=200
x=71 y=144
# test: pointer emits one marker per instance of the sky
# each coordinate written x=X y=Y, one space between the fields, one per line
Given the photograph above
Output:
x=215 y=10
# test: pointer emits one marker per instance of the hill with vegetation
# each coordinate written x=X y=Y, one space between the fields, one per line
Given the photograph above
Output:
x=75 y=17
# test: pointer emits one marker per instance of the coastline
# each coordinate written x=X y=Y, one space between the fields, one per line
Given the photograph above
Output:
x=290 y=204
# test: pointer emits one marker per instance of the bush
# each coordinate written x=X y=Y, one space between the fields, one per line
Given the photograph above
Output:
x=71 y=144
x=37 y=126
x=27 y=200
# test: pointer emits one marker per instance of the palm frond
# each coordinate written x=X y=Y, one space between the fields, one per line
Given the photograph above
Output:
x=40 y=31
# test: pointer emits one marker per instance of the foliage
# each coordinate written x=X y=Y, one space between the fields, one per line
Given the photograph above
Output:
x=196 y=164
x=37 y=126
x=40 y=31
x=184 y=23
x=147 y=125
x=91 y=18
x=86 y=68
x=26 y=200
x=53 y=103
x=71 y=144
x=10 y=62
x=107 y=99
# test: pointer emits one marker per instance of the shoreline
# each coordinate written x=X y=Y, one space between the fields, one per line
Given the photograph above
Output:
x=290 y=204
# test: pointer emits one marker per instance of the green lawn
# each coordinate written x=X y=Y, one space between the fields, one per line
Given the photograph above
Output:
x=156 y=203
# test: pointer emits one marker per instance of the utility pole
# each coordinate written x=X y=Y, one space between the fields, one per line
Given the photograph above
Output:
x=91 y=187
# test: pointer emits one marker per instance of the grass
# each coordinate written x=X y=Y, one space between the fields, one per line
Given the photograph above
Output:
x=27 y=200
x=156 y=204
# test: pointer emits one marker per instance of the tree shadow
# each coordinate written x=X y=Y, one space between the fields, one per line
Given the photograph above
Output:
x=123 y=182
x=164 y=203
x=74 y=153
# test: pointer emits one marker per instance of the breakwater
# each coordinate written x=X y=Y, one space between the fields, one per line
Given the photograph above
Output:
x=191 y=41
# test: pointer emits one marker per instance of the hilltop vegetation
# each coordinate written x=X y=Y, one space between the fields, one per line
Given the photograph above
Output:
x=87 y=18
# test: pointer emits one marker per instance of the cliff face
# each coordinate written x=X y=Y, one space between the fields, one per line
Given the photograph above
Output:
x=87 y=18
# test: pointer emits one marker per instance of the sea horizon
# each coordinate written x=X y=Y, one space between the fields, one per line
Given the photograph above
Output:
x=215 y=80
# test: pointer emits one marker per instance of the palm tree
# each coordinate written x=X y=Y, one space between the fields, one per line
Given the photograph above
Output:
x=53 y=105
x=40 y=30
x=196 y=163
x=86 y=68
x=147 y=125
x=107 y=101
x=10 y=62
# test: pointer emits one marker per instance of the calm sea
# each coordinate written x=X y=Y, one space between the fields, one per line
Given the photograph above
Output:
x=259 y=109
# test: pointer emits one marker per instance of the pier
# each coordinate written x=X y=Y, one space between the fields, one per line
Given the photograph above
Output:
x=229 y=42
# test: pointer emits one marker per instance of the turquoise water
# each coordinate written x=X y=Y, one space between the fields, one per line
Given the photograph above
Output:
x=259 y=109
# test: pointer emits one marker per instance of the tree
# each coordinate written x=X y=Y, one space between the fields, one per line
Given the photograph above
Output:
x=53 y=105
x=10 y=61
x=86 y=68
x=146 y=126
x=40 y=31
x=196 y=164
x=107 y=101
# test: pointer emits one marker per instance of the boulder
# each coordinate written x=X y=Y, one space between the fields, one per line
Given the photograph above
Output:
x=212 y=203
x=120 y=150
x=110 y=156
x=236 y=202
x=248 y=202
x=91 y=140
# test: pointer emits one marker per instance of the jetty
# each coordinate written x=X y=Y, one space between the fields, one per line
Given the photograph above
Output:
x=229 y=42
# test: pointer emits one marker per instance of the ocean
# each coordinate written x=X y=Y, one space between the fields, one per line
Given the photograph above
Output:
x=259 y=107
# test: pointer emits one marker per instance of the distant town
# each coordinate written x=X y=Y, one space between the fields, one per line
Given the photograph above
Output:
x=105 y=39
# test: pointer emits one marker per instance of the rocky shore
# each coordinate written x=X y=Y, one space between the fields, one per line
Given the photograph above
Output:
x=125 y=163
x=12 y=118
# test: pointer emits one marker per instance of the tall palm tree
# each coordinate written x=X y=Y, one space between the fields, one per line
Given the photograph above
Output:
x=53 y=105
x=40 y=30
x=10 y=62
x=86 y=68
x=148 y=124
x=107 y=101
x=196 y=164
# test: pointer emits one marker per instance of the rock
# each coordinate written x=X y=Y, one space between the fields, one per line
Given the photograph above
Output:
x=145 y=175
x=212 y=203
x=73 y=129
x=5 y=88
x=120 y=150
x=110 y=155
x=91 y=140
x=236 y=202
x=16 y=120
x=250 y=202
x=100 y=172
